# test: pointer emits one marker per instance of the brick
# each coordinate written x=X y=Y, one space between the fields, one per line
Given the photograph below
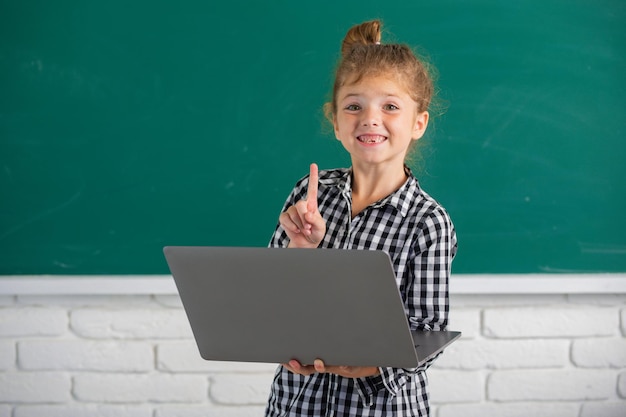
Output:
x=7 y=356
x=604 y=409
x=242 y=389
x=138 y=388
x=131 y=324
x=550 y=322
x=89 y=410
x=505 y=354
x=80 y=355
x=599 y=353
x=35 y=387
x=509 y=410
x=209 y=411
x=455 y=387
x=503 y=300
x=621 y=385
x=33 y=322
x=184 y=357
x=169 y=300
x=84 y=300
x=597 y=299
x=550 y=385
x=467 y=321
x=7 y=300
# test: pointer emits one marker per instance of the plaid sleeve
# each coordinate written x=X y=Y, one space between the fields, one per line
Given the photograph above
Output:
x=435 y=247
x=427 y=299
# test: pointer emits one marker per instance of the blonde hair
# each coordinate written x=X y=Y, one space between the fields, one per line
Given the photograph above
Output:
x=362 y=55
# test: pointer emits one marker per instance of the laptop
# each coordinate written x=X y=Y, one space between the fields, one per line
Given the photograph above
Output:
x=273 y=305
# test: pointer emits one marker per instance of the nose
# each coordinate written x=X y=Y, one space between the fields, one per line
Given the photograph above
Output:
x=370 y=117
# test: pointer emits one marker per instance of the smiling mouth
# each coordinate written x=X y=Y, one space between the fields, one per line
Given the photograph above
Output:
x=371 y=138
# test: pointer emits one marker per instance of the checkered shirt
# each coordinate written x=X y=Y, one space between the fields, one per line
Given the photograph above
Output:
x=420 y=239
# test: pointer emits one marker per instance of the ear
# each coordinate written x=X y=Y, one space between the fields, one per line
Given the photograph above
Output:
x=335 y=126
x=421 y=123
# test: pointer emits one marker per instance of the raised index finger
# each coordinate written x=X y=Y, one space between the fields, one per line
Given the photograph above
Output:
x=311 y=194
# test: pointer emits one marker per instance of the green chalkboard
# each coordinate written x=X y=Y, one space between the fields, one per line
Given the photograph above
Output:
x=129 y=125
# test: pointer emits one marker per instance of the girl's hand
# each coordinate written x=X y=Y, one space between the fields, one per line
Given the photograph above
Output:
x=319 y=367
x=303 y=222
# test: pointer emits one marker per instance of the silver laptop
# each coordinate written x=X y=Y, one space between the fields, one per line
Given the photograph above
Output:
x=273 y=305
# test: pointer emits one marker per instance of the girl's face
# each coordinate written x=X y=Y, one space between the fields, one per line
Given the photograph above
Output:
x=377 y=120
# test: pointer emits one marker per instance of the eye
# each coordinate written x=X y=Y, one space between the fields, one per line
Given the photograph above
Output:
x=391 y=107
x=352 y=107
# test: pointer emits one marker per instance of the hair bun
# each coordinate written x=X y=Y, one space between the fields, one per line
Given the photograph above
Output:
x=366 y=33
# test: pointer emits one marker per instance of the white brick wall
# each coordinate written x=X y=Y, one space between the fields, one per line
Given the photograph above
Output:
x=134 y=356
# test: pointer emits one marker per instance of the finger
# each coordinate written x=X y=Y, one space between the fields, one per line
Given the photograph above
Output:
x=296 y=221
x=300 y=210
x=319 y=366
x=288 y=223
x=311 y=195
x=297 y=213
x=297 y=368
x=295 y=365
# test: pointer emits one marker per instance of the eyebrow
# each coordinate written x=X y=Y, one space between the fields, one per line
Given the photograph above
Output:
x=387 y=95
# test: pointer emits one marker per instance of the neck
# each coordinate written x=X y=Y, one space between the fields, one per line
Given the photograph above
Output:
x=370 y=184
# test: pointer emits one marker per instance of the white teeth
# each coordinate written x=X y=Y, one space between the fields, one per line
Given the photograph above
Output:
x=371 y=138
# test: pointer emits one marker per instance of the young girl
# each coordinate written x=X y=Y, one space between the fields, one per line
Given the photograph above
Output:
x=379 y=109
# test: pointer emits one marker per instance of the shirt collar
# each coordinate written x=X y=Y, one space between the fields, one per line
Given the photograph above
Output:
x=400 y=199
